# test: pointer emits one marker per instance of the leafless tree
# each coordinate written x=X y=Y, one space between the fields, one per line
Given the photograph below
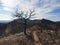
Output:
x=24 y=15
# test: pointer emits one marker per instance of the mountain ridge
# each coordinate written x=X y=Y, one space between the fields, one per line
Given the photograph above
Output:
x=17 y=26
x=13 y=32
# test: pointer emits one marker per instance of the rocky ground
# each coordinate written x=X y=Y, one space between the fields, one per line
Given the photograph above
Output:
x=47 y=37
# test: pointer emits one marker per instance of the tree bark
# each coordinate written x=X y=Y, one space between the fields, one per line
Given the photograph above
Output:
x=25 y=27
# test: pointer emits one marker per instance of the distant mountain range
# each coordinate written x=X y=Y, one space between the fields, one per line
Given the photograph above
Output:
x=5 y=21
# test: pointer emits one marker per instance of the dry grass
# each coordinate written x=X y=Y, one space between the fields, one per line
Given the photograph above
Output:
x=48 y=37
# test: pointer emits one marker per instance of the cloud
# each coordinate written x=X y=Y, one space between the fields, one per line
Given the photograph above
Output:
x=5 y=17
x=9 y=3
x=7 y=9
x=43 y=8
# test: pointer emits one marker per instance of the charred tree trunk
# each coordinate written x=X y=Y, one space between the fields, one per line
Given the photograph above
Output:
x=25 y=26
x=25 y=21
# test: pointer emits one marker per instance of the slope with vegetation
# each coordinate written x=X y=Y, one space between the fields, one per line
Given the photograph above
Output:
x=48 y=33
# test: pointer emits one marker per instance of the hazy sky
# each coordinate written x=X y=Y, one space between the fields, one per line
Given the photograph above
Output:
x=49 y=9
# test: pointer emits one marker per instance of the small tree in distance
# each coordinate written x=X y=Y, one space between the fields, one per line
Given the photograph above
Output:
x=24 y=15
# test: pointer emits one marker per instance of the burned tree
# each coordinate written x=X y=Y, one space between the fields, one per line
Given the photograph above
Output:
x=26 y=15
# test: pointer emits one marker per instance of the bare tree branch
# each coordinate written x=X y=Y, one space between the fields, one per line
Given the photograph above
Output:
x=27 y=15
x=31 y=13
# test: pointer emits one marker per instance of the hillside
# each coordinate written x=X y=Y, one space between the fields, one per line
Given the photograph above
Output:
x=17 y=25
x=3 y=26
x=48 y=32
x=48 y=37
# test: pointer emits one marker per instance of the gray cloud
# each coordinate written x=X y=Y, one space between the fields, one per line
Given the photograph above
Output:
x=42 y=7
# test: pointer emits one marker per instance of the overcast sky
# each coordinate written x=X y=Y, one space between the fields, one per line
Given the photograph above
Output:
x=48 y=9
